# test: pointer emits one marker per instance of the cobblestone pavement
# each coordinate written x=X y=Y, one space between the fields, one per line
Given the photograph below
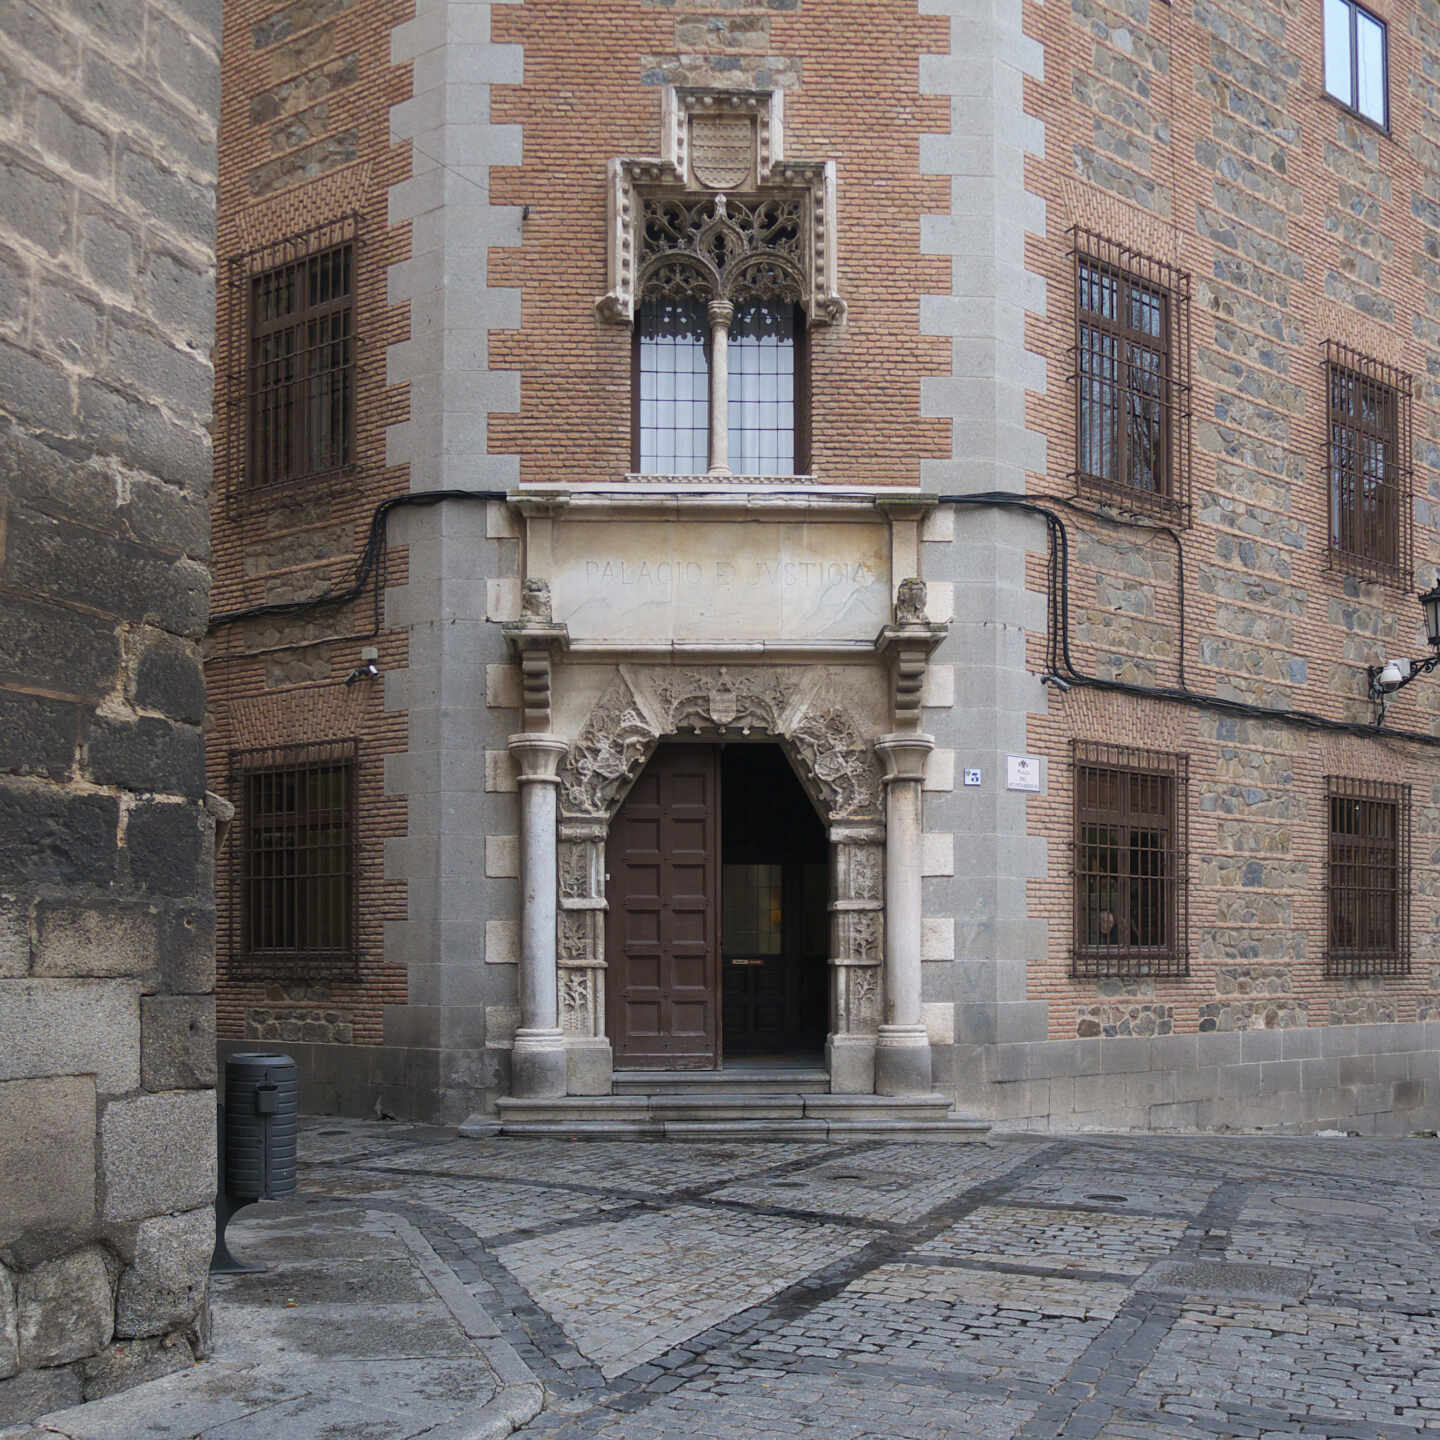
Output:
x=1124 y=1288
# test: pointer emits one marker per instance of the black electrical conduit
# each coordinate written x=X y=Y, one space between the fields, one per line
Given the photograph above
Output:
x=1059 y=664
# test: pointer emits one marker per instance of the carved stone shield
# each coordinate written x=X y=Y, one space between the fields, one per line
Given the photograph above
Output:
x=722 y=150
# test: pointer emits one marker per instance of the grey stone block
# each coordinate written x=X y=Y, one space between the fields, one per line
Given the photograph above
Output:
x=1260 y=1045
x=64 y=134
x=1021 y=1020
x=48 y=1175
x=1300 y=1044
x=135 y=1362
x=1280 y=1075
x=9 y=1326
x=1357 y=1069
x=139 y=433
x=184 y=207
x=165 y=1286
x=187 y=950
x=31 y=819
x=177 y=1042
x=1124 y=1054
x=1338 y=1040
x=37 y=735
x=107 y=249
x=100 y=940
x=157 y=1154
x=148 y=755
x=67 y=1308
x=44 y=646
x=36 y=391
x=164 y=845
x=36 y=204
x=1218 y=1049
x=37 y=1392
x=66 y=1027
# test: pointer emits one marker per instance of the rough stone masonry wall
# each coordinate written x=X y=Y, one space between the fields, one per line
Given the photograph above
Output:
x=107 y=1060
x=1201 y=135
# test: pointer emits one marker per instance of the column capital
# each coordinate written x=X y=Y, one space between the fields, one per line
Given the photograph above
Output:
x=721 y=312
x=538 y=756
x=904 y=755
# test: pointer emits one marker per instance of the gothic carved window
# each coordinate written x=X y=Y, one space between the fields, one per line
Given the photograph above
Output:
x=721 y=255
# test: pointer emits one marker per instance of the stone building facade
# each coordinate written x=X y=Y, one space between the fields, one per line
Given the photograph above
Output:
x=1096 y=476
x=107 y=978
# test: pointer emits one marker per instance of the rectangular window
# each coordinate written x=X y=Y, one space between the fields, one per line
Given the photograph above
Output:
x=1369 y=420
x=673 y=385
x=1368 y=931
x=1130 y=862
x=762 y=402
x=1355 y=60
x=1131 y=376
x=296 y=300
x=293 y=910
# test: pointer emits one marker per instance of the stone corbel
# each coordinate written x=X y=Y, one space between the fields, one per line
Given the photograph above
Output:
x=535 y=638
x=909 y=642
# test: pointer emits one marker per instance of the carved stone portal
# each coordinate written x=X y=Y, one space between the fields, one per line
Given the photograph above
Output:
x=834 y=757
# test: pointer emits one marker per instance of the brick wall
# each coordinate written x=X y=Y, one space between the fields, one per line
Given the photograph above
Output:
x=107 y=1065
x=304 y=141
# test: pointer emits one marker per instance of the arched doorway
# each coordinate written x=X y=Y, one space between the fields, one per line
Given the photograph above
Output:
x=718 y=924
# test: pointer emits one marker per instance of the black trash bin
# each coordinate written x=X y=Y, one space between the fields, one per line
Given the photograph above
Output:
x=258 y=1132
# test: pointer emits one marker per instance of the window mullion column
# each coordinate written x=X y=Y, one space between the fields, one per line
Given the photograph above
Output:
x=721 y=313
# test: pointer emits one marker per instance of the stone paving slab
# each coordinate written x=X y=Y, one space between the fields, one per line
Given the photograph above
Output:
x=1076 y=1288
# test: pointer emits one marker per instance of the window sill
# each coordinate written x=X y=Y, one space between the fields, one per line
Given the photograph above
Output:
x=1354 y=114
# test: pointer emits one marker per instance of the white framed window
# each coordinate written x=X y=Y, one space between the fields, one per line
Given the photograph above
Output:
x=1356 y=62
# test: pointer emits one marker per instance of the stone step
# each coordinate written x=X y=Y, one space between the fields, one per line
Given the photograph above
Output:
x=760 y=1080
x=736 y=1116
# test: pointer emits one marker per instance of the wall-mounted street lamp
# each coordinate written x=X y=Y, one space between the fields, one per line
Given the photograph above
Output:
x=1395 y=675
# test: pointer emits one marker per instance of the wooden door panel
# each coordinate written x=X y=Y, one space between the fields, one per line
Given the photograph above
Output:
x=663 y=1005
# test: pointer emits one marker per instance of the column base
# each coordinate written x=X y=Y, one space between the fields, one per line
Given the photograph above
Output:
x=902 y=1060
x=589 y=1066
x=850 y=1059
x=537 y=1065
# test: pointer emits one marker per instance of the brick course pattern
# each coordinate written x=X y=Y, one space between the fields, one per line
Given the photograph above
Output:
x=107 y=173
x=1203 y=135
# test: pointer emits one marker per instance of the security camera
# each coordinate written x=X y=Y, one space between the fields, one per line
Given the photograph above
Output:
x=368 y=671
x=1393 y=675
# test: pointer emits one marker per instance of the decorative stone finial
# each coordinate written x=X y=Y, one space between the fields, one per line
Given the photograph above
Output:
x=910 y=602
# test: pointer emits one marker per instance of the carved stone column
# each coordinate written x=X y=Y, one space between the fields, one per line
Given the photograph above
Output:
x=538 y=1060
x=902 y=1049
x=721 y=313
x=857 y=926
x=589 y=1059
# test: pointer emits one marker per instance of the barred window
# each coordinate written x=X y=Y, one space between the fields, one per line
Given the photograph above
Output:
x=1131 y=375
x=1131 y=840
x=1368 y=930
x=297 y=356
x=1355 y=60
x=293 y=907
x=1369 y=432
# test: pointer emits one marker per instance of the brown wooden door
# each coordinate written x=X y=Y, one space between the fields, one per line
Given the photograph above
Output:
x=662 y=995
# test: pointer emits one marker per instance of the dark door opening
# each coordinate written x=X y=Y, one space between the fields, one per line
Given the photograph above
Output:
x=774 y=931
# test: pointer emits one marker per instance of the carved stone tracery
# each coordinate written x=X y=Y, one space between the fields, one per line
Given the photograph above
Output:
x=641 y=705
x=678 y=230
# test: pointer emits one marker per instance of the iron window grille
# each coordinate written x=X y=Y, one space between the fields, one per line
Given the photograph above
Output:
x=1370 y=446
x=1131 y=377
x=1368 y=889
x=294 y=364
x=1131 y=862
x=293 y=900
x=1357 y=61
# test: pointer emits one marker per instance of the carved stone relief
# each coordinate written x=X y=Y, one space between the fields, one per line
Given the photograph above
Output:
x=835 y=758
